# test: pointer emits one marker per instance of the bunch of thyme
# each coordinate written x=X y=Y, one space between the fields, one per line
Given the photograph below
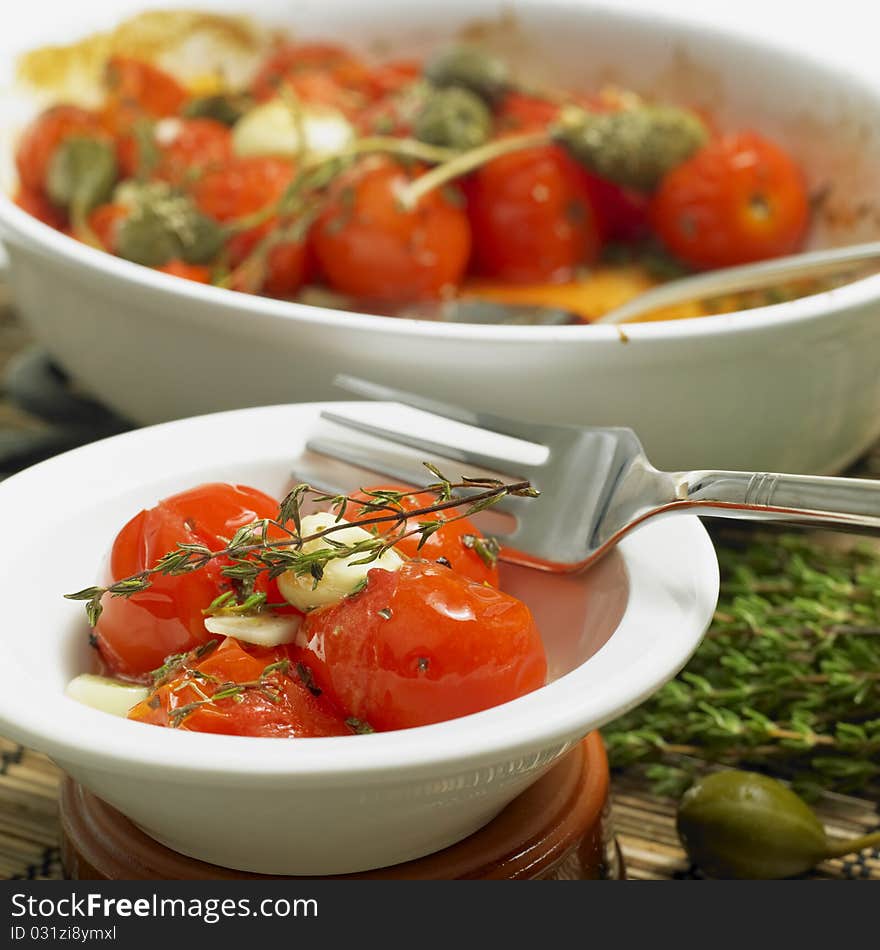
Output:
x=272 y=547
x=787 y=681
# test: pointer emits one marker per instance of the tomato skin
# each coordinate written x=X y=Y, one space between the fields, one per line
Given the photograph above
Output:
x=133 y=83
x=192 y=146
x=423 y=645
x=296 y=713
x=317 y=73
x=104 y=222
x=371 y=248
x=532 y=217
x=134 y=635
x=448 y=543
x=200 y=273
x=242 y=186
x=38 y=206
x=43 y=136
x=740 y=198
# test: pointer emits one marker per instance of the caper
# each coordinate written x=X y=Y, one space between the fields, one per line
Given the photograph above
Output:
x=81 y=174
x=453 y=117
x=744 y=825
x=201 y=240
x=145 y=238
x=164 y=224
x=633 y=147
x=227 y=108
x=469 y=67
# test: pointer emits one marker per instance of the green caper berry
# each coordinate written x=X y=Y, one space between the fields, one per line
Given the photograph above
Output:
x=202 y=240
x=222 y=107
x=743 y=825
x=469 y=67
x=81 y=174
x=145 y=238
x=454 y=118
x=633 y=147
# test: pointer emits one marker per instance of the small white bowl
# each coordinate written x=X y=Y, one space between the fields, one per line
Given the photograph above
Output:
x=792 y=387
x=613 y=635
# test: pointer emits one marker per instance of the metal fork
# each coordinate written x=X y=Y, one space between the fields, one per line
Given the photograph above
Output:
x=596 y=482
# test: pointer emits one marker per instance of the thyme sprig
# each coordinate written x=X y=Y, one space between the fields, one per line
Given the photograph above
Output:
x=251 y=551
x=787 y=680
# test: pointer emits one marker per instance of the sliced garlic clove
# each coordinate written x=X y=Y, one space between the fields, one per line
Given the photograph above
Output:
x=341 y=577
x=108 y=695
x=273 y=128
x=264 y=630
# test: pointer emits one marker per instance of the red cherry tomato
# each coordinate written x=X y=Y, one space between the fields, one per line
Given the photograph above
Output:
x=317 y=73
x=422 y=645
x=520 y=111
x=104 y=222
x=740 y=198
x=39 y=206
x=281 y=706
x=621 y=214
x=452 y=546
x=148 y=89
x=135 y=634
x=285 y=267
x=242 y=186
x=185 y=149
x=532 y=217
x=369 y=247
x=43 y=136
x=200 y=273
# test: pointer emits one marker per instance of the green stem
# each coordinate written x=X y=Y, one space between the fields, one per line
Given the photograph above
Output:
x=839 y=848
x=465 y=162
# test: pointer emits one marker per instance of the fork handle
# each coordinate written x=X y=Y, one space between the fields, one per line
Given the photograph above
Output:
x=810 y=499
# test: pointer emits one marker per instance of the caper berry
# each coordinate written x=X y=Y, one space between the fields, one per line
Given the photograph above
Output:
x=633 y=147
x=227 y=108
x=736 y=824
x=81 y=174
x=469 y=67
x=202 y=239
x=454 y=118
x=145 y=238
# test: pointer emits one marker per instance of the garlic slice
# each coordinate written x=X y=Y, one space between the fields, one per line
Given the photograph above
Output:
x=341 y=577
x=108 y=695
x=263 y=630
x=273 y=128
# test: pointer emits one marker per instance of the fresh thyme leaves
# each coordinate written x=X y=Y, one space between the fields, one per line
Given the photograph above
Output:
x=234 y=691
x=358 y=726
x=176 y=662
x=253 y=552
x=487 y=549
x=787 y=680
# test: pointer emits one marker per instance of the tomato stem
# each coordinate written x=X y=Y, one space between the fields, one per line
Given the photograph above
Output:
x=465 y=162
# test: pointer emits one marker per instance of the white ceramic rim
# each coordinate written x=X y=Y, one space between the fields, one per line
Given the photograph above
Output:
x=554 y=714
x=49 y=241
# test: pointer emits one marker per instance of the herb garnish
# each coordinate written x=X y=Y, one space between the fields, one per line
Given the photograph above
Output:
x=252 y=552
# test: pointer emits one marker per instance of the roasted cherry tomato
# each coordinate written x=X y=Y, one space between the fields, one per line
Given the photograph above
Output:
x=532 y=216
x=421 y=645
x=135 y=634
x=184 y=149
x=261 y=694
x=519 y=112
x=621 y=213
x=200 y=273
x=242 y=186
x=459 y=545
x=150 y=90
x=371 y=248
x=740 y=198
x=284 y=270
x=317 y=73
x=40 y=207
x=104 y=221
x=43 y=136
